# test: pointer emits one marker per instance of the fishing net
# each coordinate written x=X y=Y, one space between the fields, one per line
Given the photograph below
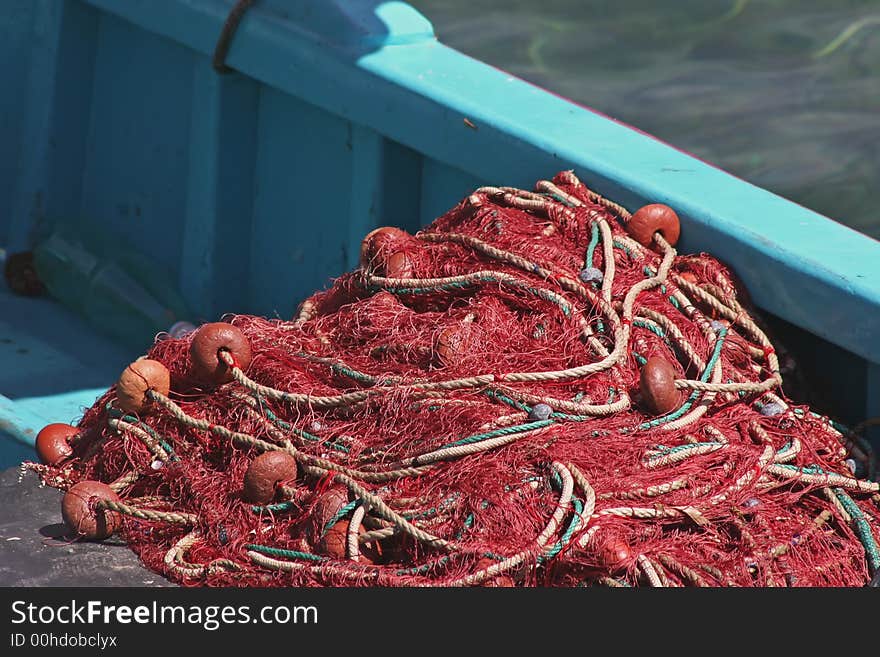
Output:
x=536 y=389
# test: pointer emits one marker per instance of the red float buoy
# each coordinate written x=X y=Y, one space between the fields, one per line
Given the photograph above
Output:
x=398 y=265
x=83 y=517
x=657 y=385
x=330 y=541
x=21 y=274
x=384 y=251
x=384 y=301
x=614 y=553
x=334 y=542
x=379 y=240
x=654 y=218
x=53 y=443
x=136 y=380
x=265 y=473
x=208 y=341
x=448 y=345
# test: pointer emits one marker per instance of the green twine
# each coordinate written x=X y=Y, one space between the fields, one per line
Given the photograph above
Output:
x=344 y=511
x=353 y=374
x=559 y=199
x=468 y=523
x=594 y=240
x=342 y=369
x=469 y=520
x=287 y=554
x=425 y=567
x=507 y=400
x=130 y=419
x=588 y=262
x=280 y=506
x=277 y=421
x=569 y=532
x=434 y=510
x=667 y=451
x=460 y=285
x=503 y=431
x=863 y=529
x=807 y=469
x=653 y=328
x=861 y=441
x=650 y=272
x=442 y=561
x=504 y=399
x=623 y=247
x=786 y=447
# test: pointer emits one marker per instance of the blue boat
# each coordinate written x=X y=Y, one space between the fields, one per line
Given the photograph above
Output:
x=254 y=184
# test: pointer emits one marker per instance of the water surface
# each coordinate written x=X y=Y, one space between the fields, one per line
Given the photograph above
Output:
x=783 y=93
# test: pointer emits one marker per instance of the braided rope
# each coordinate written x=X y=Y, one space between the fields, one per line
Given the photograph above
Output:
x=650 y=572
x=151 y=443
x=148 y=514
x=687 y=573
x=354 y=525
x=175 y=559
x=653 y=513
x=612 y=330
x=124 y=481
x=823 y=479
x=650 y=491
x=676 y=454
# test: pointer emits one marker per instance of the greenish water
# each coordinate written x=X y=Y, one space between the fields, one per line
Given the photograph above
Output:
x=783 y=93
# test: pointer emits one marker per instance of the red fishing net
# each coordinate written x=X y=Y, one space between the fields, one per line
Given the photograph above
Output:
x=533 y=390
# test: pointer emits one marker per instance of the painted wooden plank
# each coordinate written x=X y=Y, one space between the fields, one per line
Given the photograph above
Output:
x=52 y=365
x=16 y=21
x=222 y=148
x=442 y=187
x=872 y=403
x=20 y=423
x=28 y=209
x=365 y=202
x=809 y=270
x=402 y=187
x=303 y=180
x=55 y=110
x=137 y=156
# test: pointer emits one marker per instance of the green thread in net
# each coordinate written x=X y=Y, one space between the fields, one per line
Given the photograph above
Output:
x=862 y=528
x=344 y=511
x=286 y=554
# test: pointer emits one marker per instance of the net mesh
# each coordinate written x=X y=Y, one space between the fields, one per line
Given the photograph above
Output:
x=472 y=406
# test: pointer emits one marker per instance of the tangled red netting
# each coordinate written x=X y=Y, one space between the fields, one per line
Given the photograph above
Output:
x=536 y=389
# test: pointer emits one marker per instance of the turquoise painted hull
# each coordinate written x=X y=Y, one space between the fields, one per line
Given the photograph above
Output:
x=255 y=188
